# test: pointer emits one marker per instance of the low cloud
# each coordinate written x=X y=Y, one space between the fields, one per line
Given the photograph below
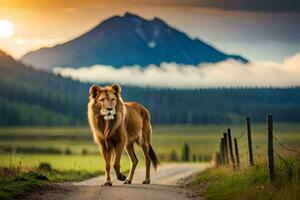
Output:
x=229 y=73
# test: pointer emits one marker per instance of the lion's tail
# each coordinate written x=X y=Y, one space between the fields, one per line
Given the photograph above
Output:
x=147 y=130
x=153 y=157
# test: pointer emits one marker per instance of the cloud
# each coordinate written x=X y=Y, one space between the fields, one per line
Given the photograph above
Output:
x=229 y=73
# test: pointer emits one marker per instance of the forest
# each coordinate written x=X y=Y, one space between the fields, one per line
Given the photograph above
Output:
x=31 y=97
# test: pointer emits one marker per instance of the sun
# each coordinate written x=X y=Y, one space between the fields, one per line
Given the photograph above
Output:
x=7 y=29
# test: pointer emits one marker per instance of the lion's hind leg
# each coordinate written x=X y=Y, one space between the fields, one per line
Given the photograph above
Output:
x=134 y=162
x=145 y=148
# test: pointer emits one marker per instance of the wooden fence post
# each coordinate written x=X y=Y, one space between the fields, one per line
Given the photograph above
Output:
x=230 y=147
x=226 y=148
x=236 y=153
x=223 y=151
x=250 y=141
x=270 y=148
x=220 y=150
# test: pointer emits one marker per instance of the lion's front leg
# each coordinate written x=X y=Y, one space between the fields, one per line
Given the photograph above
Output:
x=118 y=153
x=106 y=153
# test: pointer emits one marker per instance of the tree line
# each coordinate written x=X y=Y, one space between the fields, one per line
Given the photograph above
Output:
x=31 y=97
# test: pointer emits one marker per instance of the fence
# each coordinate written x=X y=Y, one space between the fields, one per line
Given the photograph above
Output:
x=226 y=155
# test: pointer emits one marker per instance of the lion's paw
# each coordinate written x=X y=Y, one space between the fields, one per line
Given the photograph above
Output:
x=121 y=177
x=107 y=183
x=146 y=182
x=127 y=182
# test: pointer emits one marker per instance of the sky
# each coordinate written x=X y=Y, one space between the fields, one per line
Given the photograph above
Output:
x=260 y=30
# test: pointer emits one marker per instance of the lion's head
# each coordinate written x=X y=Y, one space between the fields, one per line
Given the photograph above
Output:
x=106 y=100
x=105 y=110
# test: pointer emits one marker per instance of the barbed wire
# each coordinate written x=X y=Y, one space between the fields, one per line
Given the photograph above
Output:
x=286 y=163
x=286 y=148
x=279 y=156
x=243 y=146
x=243 y=133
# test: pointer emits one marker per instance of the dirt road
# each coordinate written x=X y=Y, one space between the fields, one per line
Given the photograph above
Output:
x=164 y=185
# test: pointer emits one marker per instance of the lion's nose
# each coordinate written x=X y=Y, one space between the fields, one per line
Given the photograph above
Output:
x=109 y=109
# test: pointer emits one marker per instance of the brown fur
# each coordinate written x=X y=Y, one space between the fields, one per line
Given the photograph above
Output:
x=131 y=124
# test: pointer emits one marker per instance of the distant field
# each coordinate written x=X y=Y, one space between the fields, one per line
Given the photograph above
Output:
x=73 y=148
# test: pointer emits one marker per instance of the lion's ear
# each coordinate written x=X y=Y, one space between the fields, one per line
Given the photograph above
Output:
x=94 y=90
x=116 y=88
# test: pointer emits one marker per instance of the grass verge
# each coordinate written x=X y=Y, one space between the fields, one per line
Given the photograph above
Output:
x=250 y=183
x=16 y=182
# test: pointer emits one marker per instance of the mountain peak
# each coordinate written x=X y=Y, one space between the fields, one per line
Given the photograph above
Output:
x=156 y=19
x=131 y=15
x=133 y=18
x=126 y=41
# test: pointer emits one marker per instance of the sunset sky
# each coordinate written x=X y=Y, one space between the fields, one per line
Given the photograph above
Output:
x=256 y=29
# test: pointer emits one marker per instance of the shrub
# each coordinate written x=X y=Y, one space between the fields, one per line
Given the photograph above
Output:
x=84 y=152
x=45 y=166
x=68 y=151
x=173 y=156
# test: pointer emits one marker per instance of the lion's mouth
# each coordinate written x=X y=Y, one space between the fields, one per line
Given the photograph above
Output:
x=108 y=114
x=109 y=117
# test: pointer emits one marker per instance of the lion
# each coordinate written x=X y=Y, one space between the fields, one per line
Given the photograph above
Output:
x=117 y=125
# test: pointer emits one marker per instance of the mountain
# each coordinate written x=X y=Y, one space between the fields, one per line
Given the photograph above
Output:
x=127 y=40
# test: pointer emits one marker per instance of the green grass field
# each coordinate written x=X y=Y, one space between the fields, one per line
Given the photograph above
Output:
x=73 y=156
x=203 y=141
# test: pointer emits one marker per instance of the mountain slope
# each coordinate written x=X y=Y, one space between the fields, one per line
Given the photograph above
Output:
x=31 y=97
x=127 y=40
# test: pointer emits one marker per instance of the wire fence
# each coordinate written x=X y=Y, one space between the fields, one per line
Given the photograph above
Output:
x=288 y=168
x=243 y=146
x=241 y=135
x=286 y=148
x=243 y=153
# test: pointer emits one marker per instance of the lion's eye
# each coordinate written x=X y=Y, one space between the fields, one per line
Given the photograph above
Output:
x=113 y=99
x=102 y=99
